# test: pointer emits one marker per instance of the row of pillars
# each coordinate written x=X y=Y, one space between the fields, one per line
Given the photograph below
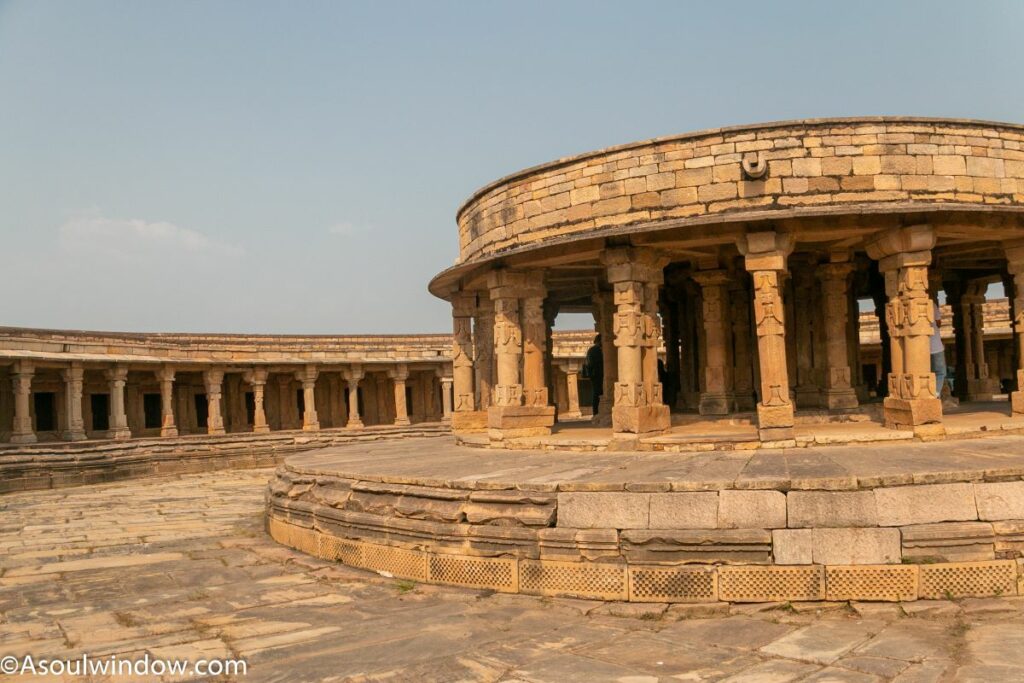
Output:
x=213 y=380
x=503 y=333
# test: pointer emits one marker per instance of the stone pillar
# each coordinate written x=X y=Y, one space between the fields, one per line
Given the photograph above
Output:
x=213 y=381
x=74 y=429
x=116 y=378
x=717 y=397
x=399 y=375
x=447 y=383
x=1015 y=265
x=903 y=256
x=742 y=367
x=690 y=361
x=507 y=416
x=572 y=388
x=835 y=278
x=165 y=376
x=483 y=352
x=635 y=274
x=352 y=377
x=535 y=389
x=21 y=384
x=605 y=318
x=806 y=390
x=466 y=418
x=307 y=376
x=257 y=379
x=980 y=384
x=184 y=398
x=765 y=258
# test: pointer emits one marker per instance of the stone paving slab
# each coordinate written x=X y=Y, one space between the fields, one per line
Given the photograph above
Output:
x=181 y=567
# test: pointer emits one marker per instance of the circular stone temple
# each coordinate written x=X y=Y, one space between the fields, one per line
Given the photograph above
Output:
x=728 y=273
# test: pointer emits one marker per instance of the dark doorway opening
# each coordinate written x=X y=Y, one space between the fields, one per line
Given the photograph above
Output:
x=151 y=409
x=100 y=406
x=202 y=411
x=45 y=405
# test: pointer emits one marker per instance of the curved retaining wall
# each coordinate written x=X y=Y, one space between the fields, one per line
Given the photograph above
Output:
x=810 y=165
x=962 y=537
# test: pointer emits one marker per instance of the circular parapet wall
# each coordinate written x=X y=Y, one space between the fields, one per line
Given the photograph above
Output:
x=765 y=171
x=898 y=523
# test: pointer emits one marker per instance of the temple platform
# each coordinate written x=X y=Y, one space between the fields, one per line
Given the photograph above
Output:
x=690 y=432
x=897 y=521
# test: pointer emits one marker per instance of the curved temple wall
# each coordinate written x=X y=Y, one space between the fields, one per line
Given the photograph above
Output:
x=807 y=165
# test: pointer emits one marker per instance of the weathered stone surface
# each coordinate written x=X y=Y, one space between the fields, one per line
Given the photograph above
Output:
x=808 y=509
x=751 y=509
x=949 y=541
x=611 y=510
x=856 y=546
x=1000 y=500
x=907 y=505
x=792 y=546
x=712 y=545
x=698 y=510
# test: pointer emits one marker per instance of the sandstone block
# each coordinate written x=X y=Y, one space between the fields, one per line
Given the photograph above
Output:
x=856 y=546
x=949 y=541
x=603 y=510
x=808 y=509
x=1000 y=500
x=697 y=510
x=751 y=509
x=792 y=546
x=906 y=505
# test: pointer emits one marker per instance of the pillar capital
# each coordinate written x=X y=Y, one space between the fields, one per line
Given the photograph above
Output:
x=901 y=247
x=354 y=373
x=212 y=379
x=635 y=264
x=73 y=372
x=464 y=304
x=307 y=374
x=165 y=373
x=255 y=376
x=766 y=250
x=399 y=373
x=117 y=373
x=834 y=271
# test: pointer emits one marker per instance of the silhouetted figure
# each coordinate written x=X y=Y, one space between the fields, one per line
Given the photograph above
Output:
x=593 y=369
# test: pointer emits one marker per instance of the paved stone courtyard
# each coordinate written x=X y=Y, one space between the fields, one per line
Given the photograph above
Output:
x=180 y=567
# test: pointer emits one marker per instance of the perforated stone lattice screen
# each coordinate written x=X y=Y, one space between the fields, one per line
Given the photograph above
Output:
x=769 y=584
x=592 y=580
x=672 y=584
x=475 y=572
x=871 y=582
x=405 y=564
x=660 y=583
x=968 y=579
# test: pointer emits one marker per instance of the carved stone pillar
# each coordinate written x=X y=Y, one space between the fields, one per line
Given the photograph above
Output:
x=903 y=257
x=307 y=377
x=464 y=306
x=74 y=429
x=572 y=388
x=165 y=376
x=742 y=368
x=184 y=398
x=765 y=258
x=214 y=381
x=1015 y=265
x=117 y=376
x=635 y=275
x=483 y=351
x=446 y=398
x=834 y=278
x=352 y=377
x=507 y=415
x=257 y=379
x=981 y=386
x=690 y=361
x=21 y=384
x=535 y=390
x=605 y=317
x=717 y=397
x=806 y=393
x=399 y=375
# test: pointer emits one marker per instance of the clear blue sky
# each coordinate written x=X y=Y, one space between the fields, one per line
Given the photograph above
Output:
x=296 y=167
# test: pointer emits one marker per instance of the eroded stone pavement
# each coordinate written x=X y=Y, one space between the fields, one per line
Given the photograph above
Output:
x=179 y=567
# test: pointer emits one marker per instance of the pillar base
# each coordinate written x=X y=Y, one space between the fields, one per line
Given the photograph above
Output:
x=642 y=421
x=120 y=434
x=715 y=404
x=353 y=424
x=214 y=431
x=469 y=421
x=571 y=415
x=902 y=413
x=840 y=398
x=75 y=436
x=505 y=422
x=313 y=427
x=982 y=389
x=261 y=429
x=745 y=402
x=404 y=422
x=23 y=438
x=807 y=397
x=168 y=431
x=1017 y=402
x=775 y=423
